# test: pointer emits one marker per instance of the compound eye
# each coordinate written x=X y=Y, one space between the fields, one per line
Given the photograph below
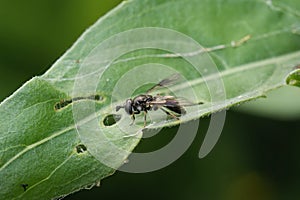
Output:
x=128 y=106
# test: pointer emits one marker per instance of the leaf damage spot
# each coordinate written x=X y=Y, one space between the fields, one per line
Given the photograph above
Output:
x=65 y=102
x=111 y=119
x=80 y=148
x=293 y=78
x=241 y=41
x=24 y=186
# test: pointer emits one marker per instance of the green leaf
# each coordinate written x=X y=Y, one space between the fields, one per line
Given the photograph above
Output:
x=56 y=132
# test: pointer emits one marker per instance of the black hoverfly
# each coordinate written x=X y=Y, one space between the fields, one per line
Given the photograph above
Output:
x=171 y=105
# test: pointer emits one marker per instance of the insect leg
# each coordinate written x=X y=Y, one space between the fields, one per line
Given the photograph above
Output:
x=145 y=118
x=133 y=119
x=169 y=113
x=133 y=116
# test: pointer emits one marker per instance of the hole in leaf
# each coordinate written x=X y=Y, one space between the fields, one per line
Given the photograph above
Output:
x=62 y=104
x=80 y=148
x=65 y=102
x=294 y=78
x=24 y=186
x=111 y=119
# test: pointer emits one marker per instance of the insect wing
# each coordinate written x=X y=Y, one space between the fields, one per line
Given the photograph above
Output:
x=175 y=106
x=165 y=82
x=168 y=102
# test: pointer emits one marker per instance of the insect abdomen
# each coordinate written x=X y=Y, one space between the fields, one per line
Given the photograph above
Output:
x=176 y=109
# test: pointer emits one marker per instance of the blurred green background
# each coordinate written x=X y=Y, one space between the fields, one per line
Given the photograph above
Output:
x=255 y=158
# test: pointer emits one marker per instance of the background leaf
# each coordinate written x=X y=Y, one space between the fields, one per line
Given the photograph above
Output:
x=55 y=87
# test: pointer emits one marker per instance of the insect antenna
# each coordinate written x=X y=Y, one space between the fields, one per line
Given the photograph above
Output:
x=119 y=107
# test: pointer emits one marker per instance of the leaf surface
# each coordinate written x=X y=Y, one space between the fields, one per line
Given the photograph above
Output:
x=53 y=135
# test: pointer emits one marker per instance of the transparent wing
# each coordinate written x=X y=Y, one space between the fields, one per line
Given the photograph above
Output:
x=171 y=103
x=167 y=104
x=165 y=82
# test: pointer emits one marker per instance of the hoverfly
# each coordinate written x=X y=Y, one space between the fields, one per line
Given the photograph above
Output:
x=171 y=105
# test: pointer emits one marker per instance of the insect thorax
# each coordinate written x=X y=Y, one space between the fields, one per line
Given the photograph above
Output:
x=140 y=102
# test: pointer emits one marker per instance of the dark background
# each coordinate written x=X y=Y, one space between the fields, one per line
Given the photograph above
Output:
x=255 y=158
